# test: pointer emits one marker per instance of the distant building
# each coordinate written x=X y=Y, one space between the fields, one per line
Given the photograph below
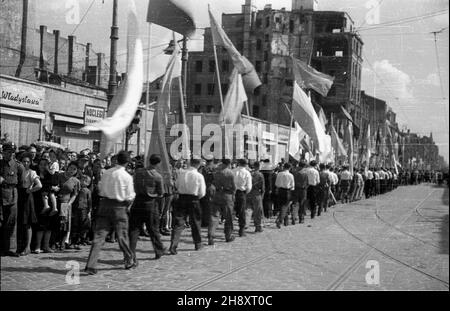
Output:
x=50 y=86
x=267 y=37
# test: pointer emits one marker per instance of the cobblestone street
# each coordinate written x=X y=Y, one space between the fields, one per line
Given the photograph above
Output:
x=405 y=231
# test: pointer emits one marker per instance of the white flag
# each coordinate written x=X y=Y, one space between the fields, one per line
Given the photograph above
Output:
x=125 y=103
x=304 y=113
x=234 y=100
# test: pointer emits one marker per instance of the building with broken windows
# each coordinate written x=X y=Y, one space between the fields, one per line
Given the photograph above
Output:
x=325 y=39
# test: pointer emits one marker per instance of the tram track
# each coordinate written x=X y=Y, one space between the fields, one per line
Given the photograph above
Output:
x=345 y=275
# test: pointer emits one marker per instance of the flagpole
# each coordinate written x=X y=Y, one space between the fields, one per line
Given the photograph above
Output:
x=220 y=88
x=147 y=93
x=290 y=130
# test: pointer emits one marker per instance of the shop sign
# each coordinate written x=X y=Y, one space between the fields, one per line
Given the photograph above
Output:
x=22 y=96
x=93 y=115
x=76 y=130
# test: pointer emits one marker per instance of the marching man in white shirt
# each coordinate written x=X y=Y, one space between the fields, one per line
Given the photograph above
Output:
x=117 y=194
x=191 y=188
x=243 y=182
x=284 y=183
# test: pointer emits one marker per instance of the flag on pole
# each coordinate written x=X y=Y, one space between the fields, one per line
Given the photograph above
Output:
x=176 y=15
x=337 y=144
x=124 y=105
x=306 y=116
x=234 y=100
x=160 y=117
x=245 y=68
x=308 y=77
x=305 y=145
x=294 y=144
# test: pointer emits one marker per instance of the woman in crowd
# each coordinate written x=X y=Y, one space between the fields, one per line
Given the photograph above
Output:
x=26 y=214
x=68 y=188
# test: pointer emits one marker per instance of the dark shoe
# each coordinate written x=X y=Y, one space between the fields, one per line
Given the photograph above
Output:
x=165 y=232
x=132 y=264
x=90 y=271
x=159 y=255
x=231 y=239
x=172 y=251
x=242 y=233
x=210 y=241
x=12 y=254
x=258 y=229
x=302 y=221
x=278 y=225
x=68 y=246
x=198 y=246
x=25 y=253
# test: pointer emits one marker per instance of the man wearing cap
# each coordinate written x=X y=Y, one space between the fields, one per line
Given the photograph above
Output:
x=285 y=184
x=117 y=194
x=148 y=185
x=222 y=202
x=243 y=181
x=10 y=176
x=191 y=188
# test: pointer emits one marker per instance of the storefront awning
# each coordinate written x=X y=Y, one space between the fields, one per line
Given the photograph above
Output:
x=22 y=113
x=58 y=117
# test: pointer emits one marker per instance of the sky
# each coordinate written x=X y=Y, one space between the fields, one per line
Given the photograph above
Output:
x=399 y=59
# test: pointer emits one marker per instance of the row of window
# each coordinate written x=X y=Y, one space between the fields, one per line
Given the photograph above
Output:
x=212 y=66
x=210 y=88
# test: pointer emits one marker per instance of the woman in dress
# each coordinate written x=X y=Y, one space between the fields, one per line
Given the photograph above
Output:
x=68 y=188
x=26 y=214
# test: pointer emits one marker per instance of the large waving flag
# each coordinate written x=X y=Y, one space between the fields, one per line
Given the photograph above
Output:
x=176 y=15
x=160 y=118
x=304 y=113
x=124 y=105
x=234 y=100
x=245 y=68
x=336 y=143
x=308 y=77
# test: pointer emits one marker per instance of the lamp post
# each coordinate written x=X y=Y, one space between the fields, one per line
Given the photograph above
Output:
x=112 y=85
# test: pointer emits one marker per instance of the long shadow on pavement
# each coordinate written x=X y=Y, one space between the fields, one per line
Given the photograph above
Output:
x=34 y=270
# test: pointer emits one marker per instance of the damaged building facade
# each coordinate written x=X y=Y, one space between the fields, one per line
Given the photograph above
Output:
x=324 y=39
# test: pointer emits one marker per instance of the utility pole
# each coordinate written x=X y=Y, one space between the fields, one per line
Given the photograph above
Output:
x=112 y=85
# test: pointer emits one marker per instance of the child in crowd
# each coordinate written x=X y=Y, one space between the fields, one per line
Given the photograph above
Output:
x=81 y=212
x=48 y=181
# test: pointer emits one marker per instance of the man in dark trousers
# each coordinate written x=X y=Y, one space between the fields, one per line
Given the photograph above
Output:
x=117 y=194
x=222 y=202
x=243 y=182
x=148 y=184
x=254 y=199
x=301 y=187
x=10 y=176
x=191 y=188
x=267 y=171
x=208 y=174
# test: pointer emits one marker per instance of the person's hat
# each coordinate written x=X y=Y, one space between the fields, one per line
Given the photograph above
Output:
x=83 y=157
x=242 y=162
x=9 y=147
